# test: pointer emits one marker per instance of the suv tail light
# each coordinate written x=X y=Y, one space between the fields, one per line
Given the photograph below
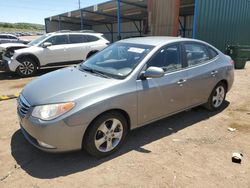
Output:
x=232 y=62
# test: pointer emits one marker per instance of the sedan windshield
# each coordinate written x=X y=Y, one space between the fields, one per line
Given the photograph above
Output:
x=38 y=40
x=118 y=60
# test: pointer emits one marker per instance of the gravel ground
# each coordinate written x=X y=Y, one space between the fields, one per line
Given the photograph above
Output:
x=190 y=149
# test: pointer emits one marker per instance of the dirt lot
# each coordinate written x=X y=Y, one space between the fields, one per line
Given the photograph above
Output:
x=191 y=149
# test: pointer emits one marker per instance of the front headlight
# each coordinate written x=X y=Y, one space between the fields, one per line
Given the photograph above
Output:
x=52 y=111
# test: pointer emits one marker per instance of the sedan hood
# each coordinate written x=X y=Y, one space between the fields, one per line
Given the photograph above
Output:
x=64 y=85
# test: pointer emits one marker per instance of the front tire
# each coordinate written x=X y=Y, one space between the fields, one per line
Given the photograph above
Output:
x=217 y=97
x=106 y=134
x=27 y=68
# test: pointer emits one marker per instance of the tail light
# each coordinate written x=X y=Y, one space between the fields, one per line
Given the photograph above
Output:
x=232 y=62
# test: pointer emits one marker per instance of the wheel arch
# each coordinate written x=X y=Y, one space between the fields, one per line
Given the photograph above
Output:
x=225 y=82
x=92 y=52
x=32 y=56
x=122 y=112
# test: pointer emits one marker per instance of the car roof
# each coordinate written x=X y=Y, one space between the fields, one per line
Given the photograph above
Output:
x=74 y=33
x=2 y=34
x=155 y=40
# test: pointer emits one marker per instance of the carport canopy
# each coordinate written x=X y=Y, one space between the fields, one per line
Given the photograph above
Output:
x=105 y=13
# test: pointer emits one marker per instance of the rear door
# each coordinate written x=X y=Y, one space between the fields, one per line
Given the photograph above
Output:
x=78 y=47
x=82 y=44
x=202 y=71
x=158 y=97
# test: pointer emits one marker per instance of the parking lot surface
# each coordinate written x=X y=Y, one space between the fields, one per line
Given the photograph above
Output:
x=190 y=149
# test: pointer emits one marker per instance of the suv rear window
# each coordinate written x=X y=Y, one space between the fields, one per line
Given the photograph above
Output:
x=91 y=38
x=73 y=39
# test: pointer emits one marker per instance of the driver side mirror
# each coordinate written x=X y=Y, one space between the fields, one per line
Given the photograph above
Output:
x=152 y=72
x=46 y=44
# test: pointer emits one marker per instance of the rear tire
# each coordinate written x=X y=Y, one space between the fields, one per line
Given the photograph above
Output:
x=106 y=134
x=217 y=97
x=27 y=68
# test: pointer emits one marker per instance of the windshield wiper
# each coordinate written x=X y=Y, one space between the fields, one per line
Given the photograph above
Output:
x=96 y=72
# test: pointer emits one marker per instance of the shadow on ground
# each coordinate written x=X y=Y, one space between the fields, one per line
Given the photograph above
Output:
x=14 y=76
x=47 y=166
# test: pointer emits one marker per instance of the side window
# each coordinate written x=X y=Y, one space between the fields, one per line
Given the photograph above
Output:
x=212 y=52
x=12 y=37
x=57 y=40
x=91 y=38
x=3 y=37
x=168 y=58
x=196 y=54
x=73 y=39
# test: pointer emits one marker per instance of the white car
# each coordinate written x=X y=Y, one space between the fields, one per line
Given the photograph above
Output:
x=8 y=38
x=10 y=47
x=54 y=49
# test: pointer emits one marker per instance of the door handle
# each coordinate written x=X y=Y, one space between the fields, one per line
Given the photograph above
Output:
x=213 y=73
x=181 y=81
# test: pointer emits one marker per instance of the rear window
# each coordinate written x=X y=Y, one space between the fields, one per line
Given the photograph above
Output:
x=12 y=37
x=196 y=53
x=91 y=38
x=4 y=37
x=73 y=39
x=212 y=52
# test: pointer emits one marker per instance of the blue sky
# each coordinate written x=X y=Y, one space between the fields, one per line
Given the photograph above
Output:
x=34 y=11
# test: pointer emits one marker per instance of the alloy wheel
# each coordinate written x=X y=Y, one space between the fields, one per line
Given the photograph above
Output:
x=26 y=68
x=108 y=135
x=218 y=96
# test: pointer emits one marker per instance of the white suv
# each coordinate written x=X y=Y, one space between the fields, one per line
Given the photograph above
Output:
x=54 y=49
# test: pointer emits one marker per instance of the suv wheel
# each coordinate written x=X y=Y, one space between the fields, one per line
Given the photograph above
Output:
x=27 y=68
x=106 y=134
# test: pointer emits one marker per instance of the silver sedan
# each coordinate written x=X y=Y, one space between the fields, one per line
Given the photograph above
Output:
x=127 y=85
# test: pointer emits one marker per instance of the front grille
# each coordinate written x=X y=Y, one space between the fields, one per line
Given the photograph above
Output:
x=23 y=106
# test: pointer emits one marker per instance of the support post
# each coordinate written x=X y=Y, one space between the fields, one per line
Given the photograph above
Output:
x=59 y=23
x=118 y=20
x=184 y=25
x=195 y=19
x=81 y=19
x=140 y=27
x=112 y=33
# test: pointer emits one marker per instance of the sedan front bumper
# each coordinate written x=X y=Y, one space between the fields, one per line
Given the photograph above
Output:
x=54 y=136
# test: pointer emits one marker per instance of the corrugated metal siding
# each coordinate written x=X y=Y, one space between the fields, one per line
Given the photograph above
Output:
x=222 y=22
x=52 y=26
x=162 y=17
x=128 y=29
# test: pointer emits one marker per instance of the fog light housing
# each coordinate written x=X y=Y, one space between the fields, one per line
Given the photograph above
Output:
x=42 y=144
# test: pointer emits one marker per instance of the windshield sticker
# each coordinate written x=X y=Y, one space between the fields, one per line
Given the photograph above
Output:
x=136 y=50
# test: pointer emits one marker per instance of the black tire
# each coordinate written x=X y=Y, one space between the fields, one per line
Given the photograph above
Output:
x=94 y=134
x=27 y=68
x=211 y=104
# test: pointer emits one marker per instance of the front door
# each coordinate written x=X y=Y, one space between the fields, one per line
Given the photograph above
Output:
x=158 y=97
x=57 y=52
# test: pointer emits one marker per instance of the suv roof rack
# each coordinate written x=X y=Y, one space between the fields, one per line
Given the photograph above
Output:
x=87 y=31
x=62 y=31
